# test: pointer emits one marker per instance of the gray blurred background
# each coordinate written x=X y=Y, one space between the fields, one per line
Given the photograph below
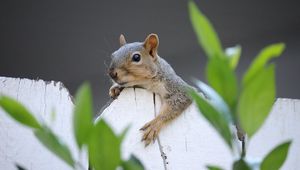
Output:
x=70 y=41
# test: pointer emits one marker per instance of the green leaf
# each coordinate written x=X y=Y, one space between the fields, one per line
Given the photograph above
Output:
x=223 y=79
x=212 y=167
x=205 y=32
x=52 y=142
x=275 y=159
x=256 y=100
x=215 y=118
x=83 y=114
x=18 y=112
x=262 y=59
x=241 y=165
x=132 y=164
x=215 y=99
x=233 y=53
x=104 y=147
x=123 y=134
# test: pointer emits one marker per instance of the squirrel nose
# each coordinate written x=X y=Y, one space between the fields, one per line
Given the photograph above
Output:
x=112 y=73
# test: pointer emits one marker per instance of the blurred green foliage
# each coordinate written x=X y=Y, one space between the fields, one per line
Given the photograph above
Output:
x=276 y=157
x=246 y=103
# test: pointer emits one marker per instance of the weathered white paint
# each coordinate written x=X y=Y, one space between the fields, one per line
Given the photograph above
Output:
x=283 y=124
x=17 y=142
x=134 y=107
x=189 y=142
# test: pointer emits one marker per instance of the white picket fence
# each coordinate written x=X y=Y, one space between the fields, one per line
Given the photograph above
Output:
x=188 y=143
x=18 y=144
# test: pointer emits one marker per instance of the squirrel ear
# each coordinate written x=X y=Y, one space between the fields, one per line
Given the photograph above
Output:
x=122 y=40
x=151 y=44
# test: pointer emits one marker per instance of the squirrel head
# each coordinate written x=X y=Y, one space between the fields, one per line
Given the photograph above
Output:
x=134 y=62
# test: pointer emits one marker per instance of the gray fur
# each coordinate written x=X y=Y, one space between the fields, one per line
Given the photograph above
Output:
x=177 y=96
x=154 y=74
x=121 y=55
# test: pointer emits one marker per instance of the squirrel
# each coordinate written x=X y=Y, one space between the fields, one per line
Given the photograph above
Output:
x=138 y=64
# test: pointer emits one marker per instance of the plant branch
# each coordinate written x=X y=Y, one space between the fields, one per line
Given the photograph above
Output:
x=241 y=137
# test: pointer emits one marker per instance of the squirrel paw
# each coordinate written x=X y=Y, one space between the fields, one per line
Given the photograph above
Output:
x=115 y=91
x=151 y=130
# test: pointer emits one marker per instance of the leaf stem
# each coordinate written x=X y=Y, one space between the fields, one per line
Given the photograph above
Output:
x=241 y=137
x=243 y=149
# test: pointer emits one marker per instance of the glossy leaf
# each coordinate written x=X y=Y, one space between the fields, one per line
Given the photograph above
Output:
x=123 y=134
x=256 y=100
x=215 y=99
x=233 y=53
x=261 y=60
x=104 y=147
x=18 y=112
x=205 y=32
x=275 y=159
x=52 y=142
x=215 y=118
x=222 y=78
x=83 y=114
x=132 y=164
x=212 y=167
x=241 y=165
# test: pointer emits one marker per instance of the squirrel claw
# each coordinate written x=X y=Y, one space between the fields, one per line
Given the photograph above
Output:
x=115 y=91
x=151 y=130
x=147 y=144
x=145 y=126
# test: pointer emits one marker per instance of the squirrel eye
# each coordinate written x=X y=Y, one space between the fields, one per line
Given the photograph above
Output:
x=136 y=57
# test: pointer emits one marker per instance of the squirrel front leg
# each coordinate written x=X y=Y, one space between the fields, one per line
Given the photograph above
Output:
x=152 y=128
x=115 y=90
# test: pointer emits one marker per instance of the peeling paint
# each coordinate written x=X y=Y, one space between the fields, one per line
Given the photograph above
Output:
x=41 y=98
x=4 y=80
x=63 y=87
x=185 y=142
x=45 y=99
x=18 y=90
x=162 y=153
x=135 y=96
